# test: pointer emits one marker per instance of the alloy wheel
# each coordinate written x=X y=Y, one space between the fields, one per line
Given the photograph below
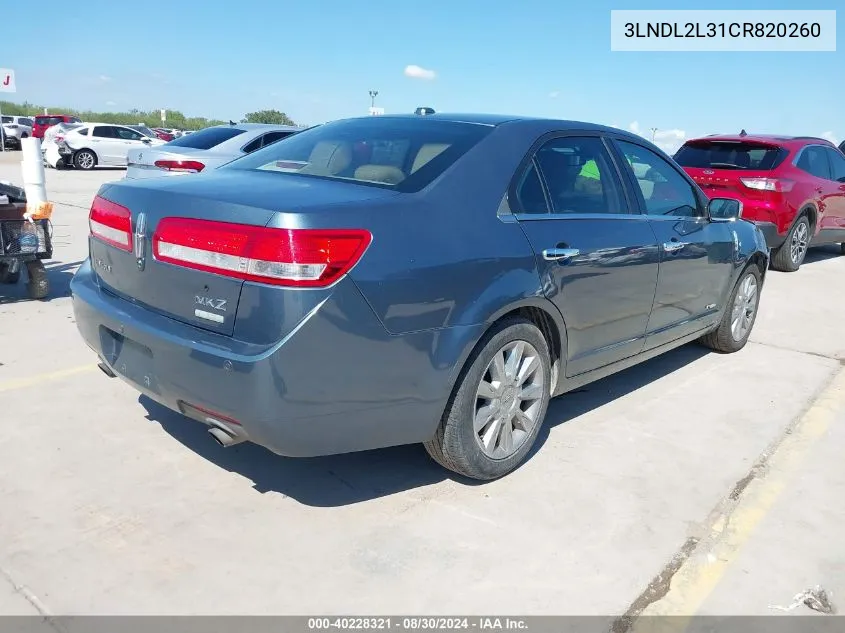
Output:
x=744 y=307
x=509 y=400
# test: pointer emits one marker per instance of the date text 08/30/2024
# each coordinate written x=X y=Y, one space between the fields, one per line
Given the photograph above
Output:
x=417 y=623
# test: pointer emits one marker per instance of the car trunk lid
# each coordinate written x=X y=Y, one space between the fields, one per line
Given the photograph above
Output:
x=131 y=260
x=726 y=167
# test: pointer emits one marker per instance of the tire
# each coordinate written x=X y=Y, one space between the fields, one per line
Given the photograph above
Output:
x=85 y=159
x=725 y=339
x=456 y=444
x=842 y=248
x=784 y=258
x=7 y=277
x=39 y=284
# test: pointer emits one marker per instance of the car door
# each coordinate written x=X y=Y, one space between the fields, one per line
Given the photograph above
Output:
x=105 y=143
x=696 y=255
x=128 y=139
x=813 y=161
x=597 y=258
x=836 y=200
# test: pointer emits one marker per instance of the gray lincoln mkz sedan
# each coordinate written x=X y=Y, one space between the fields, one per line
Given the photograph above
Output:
x=401 y=279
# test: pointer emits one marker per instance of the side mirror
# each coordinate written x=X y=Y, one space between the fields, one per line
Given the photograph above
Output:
x=147 y=140
x=724 y=209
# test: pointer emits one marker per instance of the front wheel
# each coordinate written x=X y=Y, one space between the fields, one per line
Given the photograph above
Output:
x=85 y=159
x=739 y=316
x=497 y=408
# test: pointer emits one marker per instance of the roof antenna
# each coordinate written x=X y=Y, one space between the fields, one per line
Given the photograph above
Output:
x=743 y=132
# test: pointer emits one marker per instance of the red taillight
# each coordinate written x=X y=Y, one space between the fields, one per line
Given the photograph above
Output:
x=190 y=166
x=779 y=185
x=111 y=223
x=284 y=257
x=59 y=138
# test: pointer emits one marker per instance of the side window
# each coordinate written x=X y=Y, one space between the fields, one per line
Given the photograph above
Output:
x=27 y=122
x=253 y=145
x=530 y=197
x=579 y=176
x=103 y=131
x=126 y=134
x=272 y=137
x=664 y=190
x=837 y=165
x=813 y=160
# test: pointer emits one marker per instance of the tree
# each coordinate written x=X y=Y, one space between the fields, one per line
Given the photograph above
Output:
x=268 y=116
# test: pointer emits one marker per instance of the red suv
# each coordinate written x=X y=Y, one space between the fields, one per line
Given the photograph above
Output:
x=43 y=121
x=793 y=188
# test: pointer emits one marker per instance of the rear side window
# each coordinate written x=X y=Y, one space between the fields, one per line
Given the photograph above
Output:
x=403 y=154
x=728 y=155
x=103 y=131
x=208 y=138
x=813 y=160
x=7 y=119
x=837 y=164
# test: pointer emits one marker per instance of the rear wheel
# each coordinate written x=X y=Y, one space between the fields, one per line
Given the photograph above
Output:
x=789 y=257
x=739 y=316
x=85 y=159
x=498 y=405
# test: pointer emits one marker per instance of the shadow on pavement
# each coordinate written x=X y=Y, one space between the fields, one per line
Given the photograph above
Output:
x=822 y=253
x=59 y=274
x=352 y=478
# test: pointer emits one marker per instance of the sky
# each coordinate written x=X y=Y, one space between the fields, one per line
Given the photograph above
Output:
x=318 y=60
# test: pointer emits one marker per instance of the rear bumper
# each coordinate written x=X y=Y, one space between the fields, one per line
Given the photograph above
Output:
x=137 y=172
x=770 y=232
x=337 y=383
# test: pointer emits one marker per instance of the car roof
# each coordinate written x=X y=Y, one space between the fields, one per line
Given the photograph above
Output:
x=499 y=119
x=260 y=126
x=769 y=139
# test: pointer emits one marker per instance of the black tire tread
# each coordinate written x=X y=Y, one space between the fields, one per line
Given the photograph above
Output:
x=781 y=258
x=38 y=286
x=445 y=447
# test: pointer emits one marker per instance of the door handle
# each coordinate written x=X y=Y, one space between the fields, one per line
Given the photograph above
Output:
x=555 y=254
x=673 y=247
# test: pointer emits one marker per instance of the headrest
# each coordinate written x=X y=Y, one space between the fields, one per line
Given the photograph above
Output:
x=328 y=159
x=427 y=153
x=380 y=173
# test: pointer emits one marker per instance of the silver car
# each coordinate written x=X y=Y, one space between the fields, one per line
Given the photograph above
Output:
x=203 y=150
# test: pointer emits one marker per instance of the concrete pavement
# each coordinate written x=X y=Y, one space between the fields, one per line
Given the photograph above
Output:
x=110 y=504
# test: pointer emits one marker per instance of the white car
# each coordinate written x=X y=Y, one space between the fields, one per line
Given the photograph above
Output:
x=16 y=128
x=104 y=144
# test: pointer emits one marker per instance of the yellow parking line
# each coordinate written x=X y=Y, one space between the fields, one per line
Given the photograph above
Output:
x=696 y=579
x=38 y=379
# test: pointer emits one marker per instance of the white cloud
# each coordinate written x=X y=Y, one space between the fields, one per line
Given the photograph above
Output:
x=105 y=78
x=418 y=72
x=667 y=140
x=830 y=136
x=554 y=94
x=111 y=103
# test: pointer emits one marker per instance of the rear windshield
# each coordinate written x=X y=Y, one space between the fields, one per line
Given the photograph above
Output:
x=207 y=138
x=48 y=120
x=727 y=155
x=7 y=119
x=400 y=154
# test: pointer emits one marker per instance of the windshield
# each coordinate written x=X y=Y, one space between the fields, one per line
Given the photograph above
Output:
x=403 y=154
x=207 y=138
x=728 y=155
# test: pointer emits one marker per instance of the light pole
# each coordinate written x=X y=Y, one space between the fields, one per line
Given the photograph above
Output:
x=653 y=133
x=373 y=95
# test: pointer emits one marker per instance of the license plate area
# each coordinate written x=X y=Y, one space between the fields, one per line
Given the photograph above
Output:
x=130 y=359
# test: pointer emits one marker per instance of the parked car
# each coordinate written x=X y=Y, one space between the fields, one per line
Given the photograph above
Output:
x=401 y=279
x=793 y=188
x=163 y=134
x=52 y=144
x=16 y=128
x=207 y=149
x=43 y=121
x=104 y=144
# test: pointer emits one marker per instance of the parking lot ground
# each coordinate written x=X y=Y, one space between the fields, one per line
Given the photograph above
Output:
x=111 y=504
